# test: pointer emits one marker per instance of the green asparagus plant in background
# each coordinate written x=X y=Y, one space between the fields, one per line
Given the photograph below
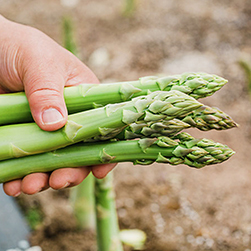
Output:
x=68 y=36
x=107 y=220
x=245 y=63
x=129 y=8
x=14 y=107
x=82 y=201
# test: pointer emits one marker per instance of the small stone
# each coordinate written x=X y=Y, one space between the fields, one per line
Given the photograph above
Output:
x=34 y=248
x=68 y=3
x=154 y=208
x=100 y=57
x=122 y=212
x=190 y=238
x=209 y=242
x=14 y=249
x=179 y=230
x=129 y=202
x=23 y=244
x=199 y=240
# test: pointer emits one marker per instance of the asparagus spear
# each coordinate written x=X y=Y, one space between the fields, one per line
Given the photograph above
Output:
x=27 y=139
x=82 y=201
x=204 y=118
x=106 y=216
x=15 y=108
x=181 y=149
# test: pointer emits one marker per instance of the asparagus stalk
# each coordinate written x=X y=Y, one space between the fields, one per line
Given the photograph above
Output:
x=27 y=139
x=204 y=118
x=245 y=63
x=181 y=149
x=82 y=200
x=129 y=8
x=15 y=108
x=106 y=216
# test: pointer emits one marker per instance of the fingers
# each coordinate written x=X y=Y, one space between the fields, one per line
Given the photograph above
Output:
x=13 y=188
x=37 y=182
x=100 y=171
x=58 y=179
x=44 y=88
x=30 y=184
x=67 y=177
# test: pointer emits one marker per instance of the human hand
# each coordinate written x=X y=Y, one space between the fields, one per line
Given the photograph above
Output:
x=33 y=62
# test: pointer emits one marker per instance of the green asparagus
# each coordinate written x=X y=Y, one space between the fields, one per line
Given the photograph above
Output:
x=15 y=108
x=106 y=216
x=82 y=201
x=204 y=118
x=181 y=149
x=27 y=139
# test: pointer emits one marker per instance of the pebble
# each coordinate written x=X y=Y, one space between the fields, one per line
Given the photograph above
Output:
x=14 y=249
x=179 y=230
x=129 y=202
x=122 y=212
x=246 y=240
x=23 y=244
x=190 y=238
x=34 y=248
x=199 y=240
x=154 y=208
x=209 y=242
x=67 y=3
x=100 y=57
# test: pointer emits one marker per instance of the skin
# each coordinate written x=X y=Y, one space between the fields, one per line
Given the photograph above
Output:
x=30 y=61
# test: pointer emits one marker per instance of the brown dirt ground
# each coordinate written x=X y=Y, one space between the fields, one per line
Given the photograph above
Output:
x=178 y=207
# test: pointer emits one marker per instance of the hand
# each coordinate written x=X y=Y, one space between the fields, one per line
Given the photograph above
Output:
x=33 y=62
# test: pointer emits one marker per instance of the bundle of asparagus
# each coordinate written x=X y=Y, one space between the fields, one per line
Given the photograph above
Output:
x=113 y=116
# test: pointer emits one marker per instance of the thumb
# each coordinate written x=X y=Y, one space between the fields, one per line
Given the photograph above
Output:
x=45 y=94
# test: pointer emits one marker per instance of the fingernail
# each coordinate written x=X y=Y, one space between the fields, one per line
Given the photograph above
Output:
x=17 y=194
x=51 y=116
x=65 y=185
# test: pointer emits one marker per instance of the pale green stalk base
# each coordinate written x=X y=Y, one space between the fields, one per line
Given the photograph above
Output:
x=107 y=221
x=82 y=201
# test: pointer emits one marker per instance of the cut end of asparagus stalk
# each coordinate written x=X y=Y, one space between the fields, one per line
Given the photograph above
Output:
x=134 y=238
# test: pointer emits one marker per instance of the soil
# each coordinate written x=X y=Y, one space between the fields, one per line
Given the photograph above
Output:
x=179 y=208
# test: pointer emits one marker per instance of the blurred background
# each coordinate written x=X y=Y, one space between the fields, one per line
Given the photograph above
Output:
x=179 y=208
